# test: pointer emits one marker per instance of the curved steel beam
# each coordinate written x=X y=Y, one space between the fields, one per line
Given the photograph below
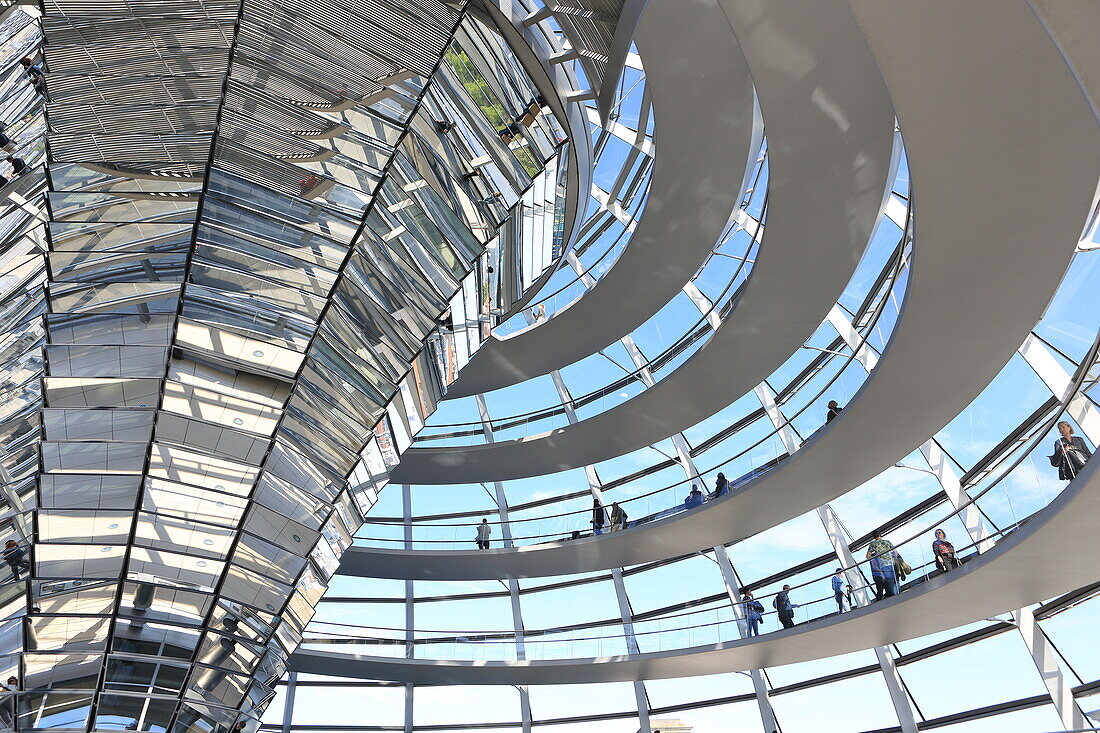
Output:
x=830 y=129
x=693 y=65
x=997 y=105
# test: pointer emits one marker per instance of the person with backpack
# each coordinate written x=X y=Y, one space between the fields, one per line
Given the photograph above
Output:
x=753 y=612
x=784 y=608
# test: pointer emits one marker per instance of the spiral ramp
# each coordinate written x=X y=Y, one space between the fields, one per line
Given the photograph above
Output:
x=978 y=282
x=295 y=297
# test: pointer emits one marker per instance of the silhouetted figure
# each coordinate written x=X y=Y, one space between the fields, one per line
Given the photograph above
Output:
x=694 y=498
x=721 y=486
x=784 y=608
x=599 y=517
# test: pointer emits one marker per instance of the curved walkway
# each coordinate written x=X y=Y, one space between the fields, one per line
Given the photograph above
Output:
x=1053 y=553
x=1013 y=114
x=692 y=63
x=830 y=131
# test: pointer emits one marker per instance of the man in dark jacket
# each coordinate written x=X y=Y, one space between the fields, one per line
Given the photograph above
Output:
x=18 y=165
x=783 y=606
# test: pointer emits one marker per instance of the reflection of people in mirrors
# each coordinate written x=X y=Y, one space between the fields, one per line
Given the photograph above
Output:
x=12 y=706
x=14 y=556
x=1070 y=453
x=834 y=410
x=7 y=707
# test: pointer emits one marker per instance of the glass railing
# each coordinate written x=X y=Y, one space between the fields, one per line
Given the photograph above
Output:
x=725 y=622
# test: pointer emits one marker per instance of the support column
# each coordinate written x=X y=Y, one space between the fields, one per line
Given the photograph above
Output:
x=627 y=615
x=595 y=487
x=1038 y=644
x=903 y=704
x=1046 y=661
x=410 y=605
x=791 y=440
x=949 y=479
x=513 y=584
x=759 y=679
x=288 y=702
x=839 y=320
x=1041 y=358
x=683 y=450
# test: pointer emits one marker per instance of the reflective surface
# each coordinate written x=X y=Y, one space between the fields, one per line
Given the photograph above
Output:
x=260 y=217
